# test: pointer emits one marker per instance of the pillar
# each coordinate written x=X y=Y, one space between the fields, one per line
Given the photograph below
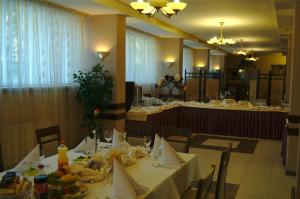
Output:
x=201 y=58
x=289 y=64
x=294 y=114
x=171 y=51
x=108 y=33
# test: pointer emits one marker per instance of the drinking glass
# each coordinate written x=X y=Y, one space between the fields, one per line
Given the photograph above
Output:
x=108 y=134
x=123 y=137
x=147 y=142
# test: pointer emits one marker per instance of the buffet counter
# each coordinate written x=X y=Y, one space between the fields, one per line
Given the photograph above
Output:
x=243 y=119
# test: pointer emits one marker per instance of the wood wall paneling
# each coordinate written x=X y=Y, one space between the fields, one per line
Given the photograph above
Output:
x=25 y=110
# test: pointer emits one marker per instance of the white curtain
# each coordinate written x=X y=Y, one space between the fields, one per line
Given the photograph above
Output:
x=188 y=60
x=40 y=45
x=142 y=59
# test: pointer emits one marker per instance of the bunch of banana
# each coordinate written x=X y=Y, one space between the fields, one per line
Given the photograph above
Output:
x=69 y=178
x=11 y=184
x=23 y=186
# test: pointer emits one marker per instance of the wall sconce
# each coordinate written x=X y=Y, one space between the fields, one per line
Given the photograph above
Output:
x=101 y=55
x=200 y=66
x=168 y=63
x=216 y=68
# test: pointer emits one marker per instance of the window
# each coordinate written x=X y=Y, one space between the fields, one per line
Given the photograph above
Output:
x=188 y=60
x=40 y=45
x=142 y=59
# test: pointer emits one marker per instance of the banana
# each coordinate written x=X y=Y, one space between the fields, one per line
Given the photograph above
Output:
x=26 y=186
x=18 y=188
x=69 y=178
x=88 y=172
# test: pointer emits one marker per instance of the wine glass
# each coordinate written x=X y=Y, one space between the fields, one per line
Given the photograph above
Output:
x=147 y=142
x=123 y=137
x=123 y=140
x=108 y=135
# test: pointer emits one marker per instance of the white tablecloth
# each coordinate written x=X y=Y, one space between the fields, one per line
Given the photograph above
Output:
x=141 y=113
x=161 y=182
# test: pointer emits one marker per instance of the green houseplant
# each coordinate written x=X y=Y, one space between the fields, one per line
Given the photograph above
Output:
x=95 y=91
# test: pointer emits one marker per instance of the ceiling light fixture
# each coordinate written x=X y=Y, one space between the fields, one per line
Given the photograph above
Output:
x=221 y=40
x=252 y=58
x=151 y=7
x=240 y=51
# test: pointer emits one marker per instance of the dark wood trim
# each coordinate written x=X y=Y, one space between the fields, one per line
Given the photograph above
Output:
x=200 y=85
x=204 y=86
x=284 y=86
x=184 y=92
x=257 y=85
x=117 y=106
x=220 y=84
x=293 y=118
x=111 y=116
x=292 y=131
x=269 y=89
x=290 y=173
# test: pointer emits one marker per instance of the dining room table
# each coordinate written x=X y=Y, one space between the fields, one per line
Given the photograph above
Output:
x=264 y=122
x=159 y=181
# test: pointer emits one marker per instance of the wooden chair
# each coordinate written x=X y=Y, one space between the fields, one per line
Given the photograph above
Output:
x=293 y=194
x=48 y=135
x=179 y=138
x=222 y=174
x=137 y=131
x=201 y=189
x=221 y=179
x=1 y=160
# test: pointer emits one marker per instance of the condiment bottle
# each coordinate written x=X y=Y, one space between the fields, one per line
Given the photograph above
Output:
x=41 y=183
x=62 y=151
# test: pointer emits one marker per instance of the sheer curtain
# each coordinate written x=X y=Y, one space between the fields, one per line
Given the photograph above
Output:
x=188 y=60
x=40 y=45
x=142 y=59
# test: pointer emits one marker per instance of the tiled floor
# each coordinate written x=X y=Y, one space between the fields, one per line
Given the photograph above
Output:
x=260 y=175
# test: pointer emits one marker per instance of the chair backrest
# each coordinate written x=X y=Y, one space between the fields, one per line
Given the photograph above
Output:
x=204 y=185
x=222 y=174
x=1 y=160
x=179 y=138
x=48 y=135
x=137 y=131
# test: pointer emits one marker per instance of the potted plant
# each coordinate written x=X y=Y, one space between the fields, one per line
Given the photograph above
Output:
x=95 y=91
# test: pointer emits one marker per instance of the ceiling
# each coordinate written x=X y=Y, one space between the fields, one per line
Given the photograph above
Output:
x=262 y=24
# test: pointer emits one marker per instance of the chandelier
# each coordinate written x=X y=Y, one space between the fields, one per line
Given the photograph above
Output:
x=221 y=40
x=151 y=7
x=252 y=58
x=240 y=51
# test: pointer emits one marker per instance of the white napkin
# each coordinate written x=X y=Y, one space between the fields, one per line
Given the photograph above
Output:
x=30 y=159
x=169 y=155
x=156 y=146
x=86 y=145
x=124 y=186
x=116 y=141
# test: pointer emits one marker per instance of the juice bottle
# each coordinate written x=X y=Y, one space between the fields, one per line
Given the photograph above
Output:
x=62 y=151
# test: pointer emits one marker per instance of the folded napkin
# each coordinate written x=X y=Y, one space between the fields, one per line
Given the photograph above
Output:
x=156 y=146
x=124 y=186
x=86 y=145
x=116 y=141
x=30 y=160
x=169 y=155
